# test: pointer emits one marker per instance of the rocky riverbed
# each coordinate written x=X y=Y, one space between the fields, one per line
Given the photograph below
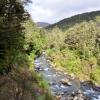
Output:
x=63 y=86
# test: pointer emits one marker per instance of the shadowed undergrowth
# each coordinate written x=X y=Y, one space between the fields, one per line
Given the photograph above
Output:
x=23 y=85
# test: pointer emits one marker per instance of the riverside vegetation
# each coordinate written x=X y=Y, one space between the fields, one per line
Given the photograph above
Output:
x=74 y=46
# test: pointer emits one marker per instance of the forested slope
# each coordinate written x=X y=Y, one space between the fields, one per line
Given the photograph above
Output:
x=71 y=21
x=77 y=48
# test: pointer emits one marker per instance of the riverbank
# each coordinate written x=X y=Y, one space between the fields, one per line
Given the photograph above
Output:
x=64 y=87
x=68 y=62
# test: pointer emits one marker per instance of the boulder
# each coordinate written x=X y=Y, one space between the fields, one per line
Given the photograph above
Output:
x=72 y=76
x=65 y=82
x=96 y=88
x=77 y=96
x=65 y=73
x=52 y=83
x=58 y=97
x=88 y=83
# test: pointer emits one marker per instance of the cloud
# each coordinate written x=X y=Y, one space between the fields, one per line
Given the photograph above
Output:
x=54 y=10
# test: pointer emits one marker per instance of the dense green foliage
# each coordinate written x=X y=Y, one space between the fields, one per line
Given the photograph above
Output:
x=77 y=48
x=12 y=14
x=73 y=45
x=20 y=42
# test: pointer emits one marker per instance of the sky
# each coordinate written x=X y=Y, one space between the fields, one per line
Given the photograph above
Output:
x=52 y=11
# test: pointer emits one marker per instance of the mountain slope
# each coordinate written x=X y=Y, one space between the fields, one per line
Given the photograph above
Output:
x=42 y=24
x=69 y=22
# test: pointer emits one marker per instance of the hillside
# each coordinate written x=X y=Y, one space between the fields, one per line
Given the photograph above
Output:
x=77 y=48
x=71 y=21
x=42 y=24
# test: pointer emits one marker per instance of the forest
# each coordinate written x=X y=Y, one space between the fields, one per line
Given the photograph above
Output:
x=71 y=45
x=77 y=49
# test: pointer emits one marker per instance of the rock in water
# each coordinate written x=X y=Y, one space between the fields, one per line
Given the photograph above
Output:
x=77 y=96
x=96 y=88
x=65 y=82
x=58 y=97
x=72 y=76
x=46 y=69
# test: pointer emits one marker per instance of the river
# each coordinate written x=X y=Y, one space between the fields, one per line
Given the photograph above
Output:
x=64 y=87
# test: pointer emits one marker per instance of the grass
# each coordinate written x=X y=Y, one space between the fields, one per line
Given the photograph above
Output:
x=69 y=61
x=96 y=75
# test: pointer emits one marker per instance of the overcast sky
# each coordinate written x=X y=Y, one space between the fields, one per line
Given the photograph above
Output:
x=54 y=10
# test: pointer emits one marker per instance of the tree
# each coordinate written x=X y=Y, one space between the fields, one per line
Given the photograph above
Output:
x=12 y=15
x=55 y=39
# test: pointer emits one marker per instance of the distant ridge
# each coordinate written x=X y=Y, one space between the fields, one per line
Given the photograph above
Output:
x=42 y=24
x=71 y=21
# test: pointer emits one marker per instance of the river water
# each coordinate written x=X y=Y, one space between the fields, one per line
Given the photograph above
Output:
x=74 y=91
